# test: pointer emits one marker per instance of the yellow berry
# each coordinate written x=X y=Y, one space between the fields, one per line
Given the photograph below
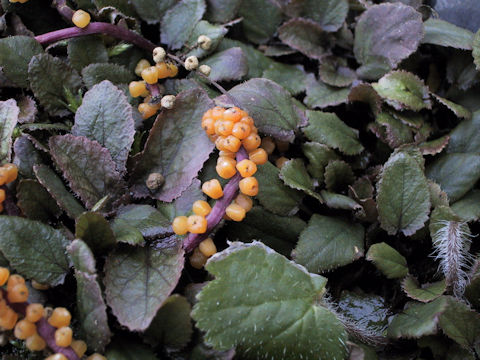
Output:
x=197 y=259
x=208 y=124
x=63 y=336
x=251 y=142
x=138 y=88
x=147 y=110
x=35 y=343
x=34 y=312
x=14 y=280
x=226 y=167
x=207 y=247
x=235 y=212
x=268 y=145
x=249 y=186
x=162 y=70
x=281 y=161
x=141 y=65
x=81 y=18
x=232 y=144
x=8 y=319
x=217 y=113
x=197 y=224
x=96 y=356
x=18 y=294
x=180 y=225
x=213 y=189
x=79 y=346
x=38 y=286
x=234 y=114
x=2 y=195
x=4 y=274
x=246 y=168
x=60 y=317
x=244 y=201
x=57 y=356
x=258 y=156
x=201 y=207
x=172 y=70
x=228 y=154
x=24 y=329
x=241 y=130
x=150 y=75
x=223 y=127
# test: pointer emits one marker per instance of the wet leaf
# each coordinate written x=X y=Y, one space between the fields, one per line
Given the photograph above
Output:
x=476 y=49
x=334 y=72
x=457 y=109
x=388 y=260
x=221 y=11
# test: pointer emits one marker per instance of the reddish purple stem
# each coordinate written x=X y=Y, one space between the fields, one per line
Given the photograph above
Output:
x=216 y=215
x=97 y=28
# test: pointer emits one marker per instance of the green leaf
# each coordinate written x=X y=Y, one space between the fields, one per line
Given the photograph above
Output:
x=320 y=95
x=148 y=220
x=278 y=232
x=275 y=196
x=338 y=174
x=329 y=242
x=170 y=144
x=330 y=14
x=388 y=260
x=182 y=204
x=256 y=285
x=318 y=155
x=127 y=349
x=86 y=50
x=339 y=201
x=417 y=319
x=457 y=109
x=214 y=32
x=335 y=72
x=26 y=156
x=227 y=65
x=364 y=92
x=386 y=34
x=403 y=90
x=304 y=35
x=260 y=19
x=106 y=117
x=270 y=105
x=403 y=197
x=294 y=174
x=88 y=167
x=476 y=49
x=396 y=132
x=172 y=326
x=35 y=250
x=138 y=280
x=35 y=202
x=50 y=80
x=126 y=233
x=95 y=231
x=463 y=139
x=456 y=173
x=425 y=292
x=96 y=73
x=152 y=10
x=472 y=290
x=290 y=77
x=9 y=112
x=57 y=189
x=328 y=129
x=91 y=308
x=443 y=33
x=179 y=21
x=468 y=207
x=460 y=323
x=221 y=11
x=15 y=54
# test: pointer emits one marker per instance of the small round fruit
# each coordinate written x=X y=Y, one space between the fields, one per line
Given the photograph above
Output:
x=197 y=224
x=3 y=307
x=81 y=18
x=168 y=101
x=244 y=201
x=223 y=127
x=204 y=41
x=180 y=225
x=57 y=356
x=35 y=343
x=137 y=88
x=205 y=69
x=162 y=70
x=281 y=161
x=201 y=207
x=220 y=143
x=228 y=154
x=247 y=120
x=197 y=259
x=2 y=195
x=4 y=274
x=217 y=113
x=18 y=294
x=155 y=181
x=258 y=156
x=63 y=336
x=226 y=167
x=60 y=317
x=235 y=212
x=251 y=142
x=159 y=54
x=249 y=186
x=38 y=286
x=141 y=65
x=213 y=189
x=150 y=75
x=172 y=70
x=24 y=329
x=14 y=280
x=191 y=63
x=234 y=114
x=34 y=312
x=241 y=130
x=246 y=168
x=232 y=144
x=282 y=146
x=8 y=319
x=207 y=247
x=268 y=145
x=96 y=356
x=79 y=346
x=147 y=110
x=208 y=124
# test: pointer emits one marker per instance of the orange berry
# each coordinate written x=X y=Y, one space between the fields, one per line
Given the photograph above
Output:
x=79 y=346
x=235 y=212
x=201 y=207
x=9 y=319
x=220 y=143
x=232 y=144
x=1 y=207
x=234 y=114
x=4 y=274
x=241 y=130
x=228 y=154
x=213 y=189
x=138 y=88
x=197 y=224
x=207 y=114
x=63 y=336
x=141 y=65
x=38 y=286
x=226 y=167
x=208 y=124
x=268 y=145
x=60 y=317
x=246 y=168
x=207 y=247
x=281 y=161
x=18 y=294
x=147 y=110
x=244 y=201
x=57 y=356
x=24 y=329
x=282 y=146
x=3 y=176
x=81 y=18
x=162 y=70
x=34 y=312
x=14 y=280
x=2 y=195
x=3 y=307
x=249 y=186
x=217 y=113
x=213 y=138
x=150 y=75
x=247 y=120
x=35 y=343
x=179 y=225
x=253 y=129
x=11 y=172
x=251 y=142
x=172 y=70
x=223 y=127
x=258 y=156
x=197 y=259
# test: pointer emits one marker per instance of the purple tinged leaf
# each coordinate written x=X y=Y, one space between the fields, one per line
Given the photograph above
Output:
x=176 y=147
x=88 y=167
x=227 y=65
x=138 y=280
x=106 y=116
x=28 y=110
x=443 y=33
x=260 y=19
x=35 y=202
x=26 y=156
x=9 y=112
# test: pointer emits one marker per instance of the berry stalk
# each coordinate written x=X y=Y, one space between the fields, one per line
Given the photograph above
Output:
x=218 y=211
x=97 y=28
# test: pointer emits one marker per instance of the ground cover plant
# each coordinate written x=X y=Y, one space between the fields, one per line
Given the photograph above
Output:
x=241 y=179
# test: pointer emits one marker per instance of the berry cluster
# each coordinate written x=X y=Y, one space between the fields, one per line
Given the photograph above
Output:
x=234 y=134
x=8 y=173
x=34 y=317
